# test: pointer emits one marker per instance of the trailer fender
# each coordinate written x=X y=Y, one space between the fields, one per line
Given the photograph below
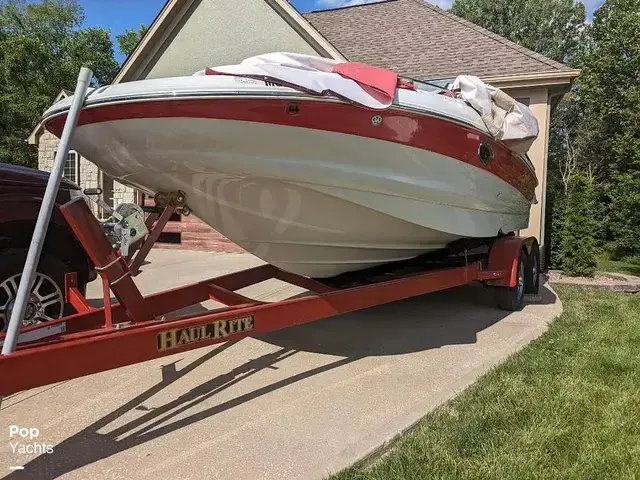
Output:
x=504 y=256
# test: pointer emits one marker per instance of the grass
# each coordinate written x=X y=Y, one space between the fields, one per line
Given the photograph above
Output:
x=566 y=406
x=607 y=265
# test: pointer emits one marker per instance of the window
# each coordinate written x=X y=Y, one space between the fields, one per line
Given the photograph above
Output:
x=71 y=168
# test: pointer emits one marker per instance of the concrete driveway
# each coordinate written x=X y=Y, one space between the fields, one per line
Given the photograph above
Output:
x=299 y=403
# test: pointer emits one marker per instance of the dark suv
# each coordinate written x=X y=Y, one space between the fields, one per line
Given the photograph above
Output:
x=21 y=192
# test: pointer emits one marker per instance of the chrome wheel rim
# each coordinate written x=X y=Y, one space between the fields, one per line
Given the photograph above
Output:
x=46 y=300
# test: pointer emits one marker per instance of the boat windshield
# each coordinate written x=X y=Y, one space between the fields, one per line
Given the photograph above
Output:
x=528 y=161
x=429 y=85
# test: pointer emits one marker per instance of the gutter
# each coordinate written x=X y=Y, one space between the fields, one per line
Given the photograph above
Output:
x=159 y=26
x=533 y=79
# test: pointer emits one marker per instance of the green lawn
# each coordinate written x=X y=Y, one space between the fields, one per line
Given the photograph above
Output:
x=566 y=406
x=606 y=265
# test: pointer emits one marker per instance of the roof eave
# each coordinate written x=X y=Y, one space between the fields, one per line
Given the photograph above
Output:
x=33 y=136
x=160 y=24
x=303 y=27
x=530 y=80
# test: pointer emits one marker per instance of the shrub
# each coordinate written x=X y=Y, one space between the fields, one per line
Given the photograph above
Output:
x=624 y=216
x=556 y=227
x=635 y=259
x=580 y=227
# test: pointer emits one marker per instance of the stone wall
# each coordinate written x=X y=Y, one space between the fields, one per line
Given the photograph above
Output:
x=123 y=194
x=47 y=147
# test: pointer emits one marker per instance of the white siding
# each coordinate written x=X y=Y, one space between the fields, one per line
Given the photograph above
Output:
x=218 y=32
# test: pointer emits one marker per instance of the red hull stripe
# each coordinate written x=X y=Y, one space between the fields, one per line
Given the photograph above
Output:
x=399 y=126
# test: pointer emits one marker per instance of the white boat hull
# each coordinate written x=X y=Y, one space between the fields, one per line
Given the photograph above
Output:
x=315 y=203
x=312 y=184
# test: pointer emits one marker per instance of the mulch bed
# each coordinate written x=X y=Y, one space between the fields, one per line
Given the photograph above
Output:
x=616 y=282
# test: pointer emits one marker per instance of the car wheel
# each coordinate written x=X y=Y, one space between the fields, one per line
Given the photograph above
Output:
x=46 y=300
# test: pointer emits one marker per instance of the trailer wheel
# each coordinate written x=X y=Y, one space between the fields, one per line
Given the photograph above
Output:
x=532 y=279
x=511 y=298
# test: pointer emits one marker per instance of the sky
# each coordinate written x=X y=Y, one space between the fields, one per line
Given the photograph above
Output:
x=121 y=15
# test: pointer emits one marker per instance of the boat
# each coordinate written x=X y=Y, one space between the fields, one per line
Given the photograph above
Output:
x=313 y=182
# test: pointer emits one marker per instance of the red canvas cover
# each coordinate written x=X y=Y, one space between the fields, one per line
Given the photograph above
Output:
x=378 y=82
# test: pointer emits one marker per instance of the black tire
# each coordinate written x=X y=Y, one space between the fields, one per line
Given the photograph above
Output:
x=532 y=278
x=511 y=298
x=50 y=269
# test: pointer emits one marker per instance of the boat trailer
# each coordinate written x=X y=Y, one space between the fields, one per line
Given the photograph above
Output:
x=135 y=329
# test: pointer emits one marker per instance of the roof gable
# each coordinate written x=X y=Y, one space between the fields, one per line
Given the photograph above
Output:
x=422 y=41
x=162 y=32
x=34 y=136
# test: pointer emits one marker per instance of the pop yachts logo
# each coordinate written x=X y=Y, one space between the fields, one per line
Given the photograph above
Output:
x=24 y=441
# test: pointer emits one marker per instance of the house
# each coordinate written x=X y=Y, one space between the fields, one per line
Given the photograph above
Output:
x=413 y=37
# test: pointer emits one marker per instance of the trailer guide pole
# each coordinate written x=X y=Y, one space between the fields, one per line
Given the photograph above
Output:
x=48 y=201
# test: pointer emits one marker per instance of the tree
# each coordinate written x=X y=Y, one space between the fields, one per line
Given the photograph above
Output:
x=578 y=242
x=549 y=27
x=609 y=90
x=128 y=40
x=564 y=160
x=555 y=209
x=42 y=47
x=610 y=81
x=624 y=216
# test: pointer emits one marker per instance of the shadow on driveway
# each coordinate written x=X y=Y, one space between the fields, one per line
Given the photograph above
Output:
x=446 y=318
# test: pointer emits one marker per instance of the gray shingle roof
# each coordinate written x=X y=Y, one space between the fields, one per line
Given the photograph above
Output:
x=422 y=41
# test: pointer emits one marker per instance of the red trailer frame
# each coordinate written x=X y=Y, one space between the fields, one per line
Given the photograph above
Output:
x=135 y=330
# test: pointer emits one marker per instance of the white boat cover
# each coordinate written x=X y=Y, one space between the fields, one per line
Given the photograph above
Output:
x=374 y=87
x=366 y=85
x=506 y=119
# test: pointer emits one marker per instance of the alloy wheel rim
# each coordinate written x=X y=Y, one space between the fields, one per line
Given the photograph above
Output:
x=46 y=300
